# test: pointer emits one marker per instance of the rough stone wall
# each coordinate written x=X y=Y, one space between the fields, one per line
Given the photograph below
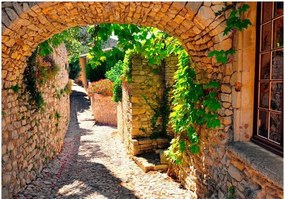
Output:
x=146 y=90
x=104 y=109
x=125 y=118
x=120 y=121
x=248 y=181
x=216 y=169
x=170 y=69
x=25 y=25
x=30 y=138
x=148 y=82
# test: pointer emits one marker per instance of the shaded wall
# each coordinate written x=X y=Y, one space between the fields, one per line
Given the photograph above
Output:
x=104 y=109
x=30 y=137
x=141 y=98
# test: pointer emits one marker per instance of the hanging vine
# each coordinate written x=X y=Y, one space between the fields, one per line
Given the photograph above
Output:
x=196 y=105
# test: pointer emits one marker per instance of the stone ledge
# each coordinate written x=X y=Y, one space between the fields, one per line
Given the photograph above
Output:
x=150 y=162
x=261 y=160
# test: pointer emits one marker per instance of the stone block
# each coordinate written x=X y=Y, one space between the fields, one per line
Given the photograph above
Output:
x=6 y=177
x=268 y=196
x=238 y=164
x=18 y=8
x=235 y=173
x=204 y=17
x=226 y=97
x=193 y=6
x=225 y=88
x=146 y=147
x=11 y=13
x=162 y=141
x=233 y=79
x=162 y=167
x=228 y=112
x=146 y=141
x=227 y=120
x=136 y=111
x=134 y=142
x=163 y=159
x=146 y=166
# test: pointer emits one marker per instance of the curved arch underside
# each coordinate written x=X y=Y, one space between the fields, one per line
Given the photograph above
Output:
x=25 y=25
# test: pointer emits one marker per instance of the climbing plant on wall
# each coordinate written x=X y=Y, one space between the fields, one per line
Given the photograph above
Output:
x=196 y=105
x=233 y=23
x=36 y=74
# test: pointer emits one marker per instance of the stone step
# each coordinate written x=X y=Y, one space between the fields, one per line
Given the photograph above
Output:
x=151 y=162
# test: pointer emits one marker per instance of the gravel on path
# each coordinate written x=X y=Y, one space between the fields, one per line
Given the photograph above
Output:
x=94 y=164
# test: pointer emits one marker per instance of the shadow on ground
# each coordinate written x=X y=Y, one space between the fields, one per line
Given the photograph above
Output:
x=81 y=178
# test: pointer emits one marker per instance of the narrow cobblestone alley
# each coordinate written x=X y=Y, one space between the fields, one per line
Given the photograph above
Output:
x=94 y=164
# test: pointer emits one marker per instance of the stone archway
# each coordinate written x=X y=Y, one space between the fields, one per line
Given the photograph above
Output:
x=25 y=25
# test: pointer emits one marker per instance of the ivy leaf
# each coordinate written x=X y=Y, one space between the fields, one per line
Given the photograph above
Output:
x=233 y=13
x=222 y=59
x=212 y=53
x=243 y=8
x=212 y=84
x=230 y=52
x=194 y=138
x=213 y=123
x=182 y=146
x=152 y=61
x=45 y=49
x=178 y=161
x=103 y=58
x=212 y=105
x=195 y=149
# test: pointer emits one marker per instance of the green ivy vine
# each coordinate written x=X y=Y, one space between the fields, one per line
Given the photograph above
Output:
x=30 y=80
x=233 y=22
x=36 y=74
x=195 y=104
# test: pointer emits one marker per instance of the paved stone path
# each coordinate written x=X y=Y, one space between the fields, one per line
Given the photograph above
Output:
x=94 y=164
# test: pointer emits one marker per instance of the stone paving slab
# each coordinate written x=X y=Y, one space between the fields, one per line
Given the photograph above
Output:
x=95 y=164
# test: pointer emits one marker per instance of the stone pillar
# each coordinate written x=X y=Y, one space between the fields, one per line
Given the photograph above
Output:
x=82 y=75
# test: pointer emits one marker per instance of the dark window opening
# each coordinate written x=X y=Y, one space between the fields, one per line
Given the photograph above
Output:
x=268 y=119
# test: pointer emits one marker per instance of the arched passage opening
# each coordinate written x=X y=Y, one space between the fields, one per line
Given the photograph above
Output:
x=28 y=24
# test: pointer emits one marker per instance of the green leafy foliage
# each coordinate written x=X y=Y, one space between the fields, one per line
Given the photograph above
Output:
x=47 y=72
x=224 y=9
x=222 y=56
x=231 y=193
x=74 y=69
x=235 y=22
x=115 y=76
x=95 y=73
x=57 y=117
x=66 y=90
x=30 y=81
x=174 y=153
x=194 y=105
x=15 y=88
x=150 y=43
